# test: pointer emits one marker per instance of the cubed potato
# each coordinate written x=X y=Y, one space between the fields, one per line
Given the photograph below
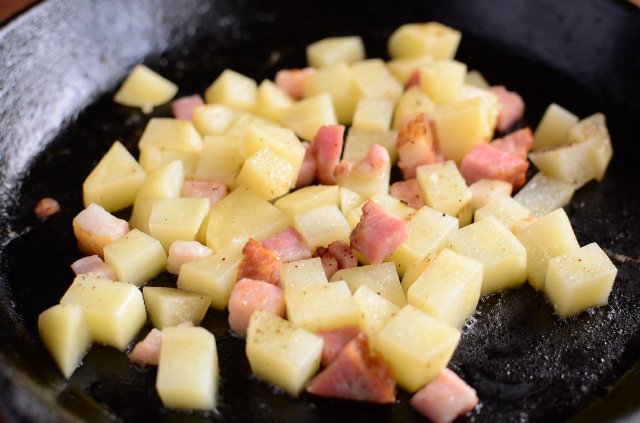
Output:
x=542 y=194
x=443 y=187
x=334 y=50
x=422 y=39
x=550 y=236
x=321 y=226
x=449 y=288
x=136 y=257
x=484 y=190
x=373 y=114
x=359 y=141
x=443 y=80
x=381 y=278
x=221 y=159
x=280 y=353
x=308 y=198
x=579 y=280
x=374 y=80
x=390 y=204
x=504 y=208
x=152 y=158
x=402 y=69
x=114 y=311
x=349 y=200
x=316 y=307
x=593 y=129
x=188 y=370
x=234 y=90
x=171 y=134
x=374 y=311
x=66 y=335
x=170 y=306
x=115 y=181
x=213 y=119
x=307 y=116
x=503 y=256
x=338 y=83
x=241 y=215
x=213 y=276
x=553 y=127
x=299 y=273
x=271 y=101
x=267 y=174
x=415 y=270
x=475 y=78
x=367 y=184
x=490 y=101
x=412 y=103
x=175 y=219
x=416 y=346
x=146 y=89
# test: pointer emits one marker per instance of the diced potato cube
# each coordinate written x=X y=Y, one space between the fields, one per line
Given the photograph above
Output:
x=504 y=208
x=295 y=274
x=172 y=134
x=307 y=116
x=177 y=219
x=374 y=80
x=503 y=256
x=579 y=280
x=412 y=103
x=213 y=276
x=136 y=257
x=553 y=127
x=548 y=237
x=390 y=204
x=382 y=279
x=349 y=200
x=402 y=69
x=338 y=83
x=170 y=306
x=443 y=187
x=271 y=101
x=308 y=198
x=188 y=370
x=367 y=184
x=484 y=190
x=593 y=130
x=234 y=90
x=115 y=181
x=373 y=114
x=359 y=141
x=415 y=270
x=145 y=89
x=543 y=194
x=267 y=174
x=220 y=159
x=449 y=288
x=152 y=158
x=442 y=81
x=316 y=307
x=490 y=101
x=422 y=39
x=280 y=353
x=213 y=119
x=475 y=79
x=239 y=216
x=374 y=311
x=417 y=346
x=65 y=332
x=321 y=226
x=334 y=50
x=114 y=311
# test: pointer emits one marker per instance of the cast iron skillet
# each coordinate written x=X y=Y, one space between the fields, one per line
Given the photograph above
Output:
x=59 y=65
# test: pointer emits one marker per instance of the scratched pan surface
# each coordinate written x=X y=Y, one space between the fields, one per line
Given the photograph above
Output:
x=59 y=65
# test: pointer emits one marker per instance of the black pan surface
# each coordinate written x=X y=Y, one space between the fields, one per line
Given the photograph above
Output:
x=59 y=66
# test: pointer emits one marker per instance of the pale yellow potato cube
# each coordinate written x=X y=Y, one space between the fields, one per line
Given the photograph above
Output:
x=553 y=127
x=136 y=258
x=241 y=215
x=449 y=288
x=152 y=158
x=367 y=184
x=115 y=181
x=271 y=101
x=188 y=370
x=175 y=219
x=506 y=209
x=334 y=50
x=381 y=278
x=402 y=69
x=321 y=226
x=280 y=353
x=349 y=200
x=338 y=83
x=114 y=311
x=234 y=90
x=307 y=116
x=374 y=80
x=593 y=130
x=373 y=114
x=542 y=194
x=390 y=204
x=213 y=276
x=415 y=270
x=316 y=307
x=267 y=174
x=308 y=198
x=359 y=141
x=490 y=101
x=422 y=39
x=475 y=78
x=503 y=256
x=442 y=81
x=221 y=159
x=484 y=190
x=299 y=273
x=146 y=89
x=443 y=187
x=213 y=119
x=66 y=335
x=412 y=103
x=550 y=236
x=579 y=280
x=416 y=346
x=172 y=134
x=170 y=306
x=374 y=311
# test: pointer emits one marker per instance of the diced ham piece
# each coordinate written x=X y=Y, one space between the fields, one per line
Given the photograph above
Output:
x=445 y=398
x=408 y=192
x=181 y=252
x=291 y=81
x=94 y=228
x=249 y=295
x=518 y=143
x=356 y=375
x=307 y=171
x=487 y=162
x=182 y=108
x=327 y=148
x=93 y=265
x=338 y=255
x=378 y=233
x=147 y=351
x=288 y=245
x=335 y=340
x=259 y=263
x=416 y=145
x=414 y=80
x=511 y=107
x=204 y=188
x=46 y=207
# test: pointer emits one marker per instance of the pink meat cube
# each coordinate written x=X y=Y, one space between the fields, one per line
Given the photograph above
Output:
x=408 y=192
x=487 y=162
x=288 y=245
x=204 y=188
x=93 y=265
x=335 y=340
x=291 y=81
x=416 y=145
x=182 y=108
x=378 y=233
x=259 y=263
x=181 y=252
x=307 y=169
x=518 y=143
x=249 y=295
x=511 y=107
x=327 y=148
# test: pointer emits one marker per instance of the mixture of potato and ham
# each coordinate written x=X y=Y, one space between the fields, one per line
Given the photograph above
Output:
x=259 y=263
x=338 y=255
x=416 y=145
x=288 y=245
x=445 y=398
x=378 y=233
x=147 y=351
x=93 y=265
x=249 y=295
